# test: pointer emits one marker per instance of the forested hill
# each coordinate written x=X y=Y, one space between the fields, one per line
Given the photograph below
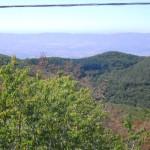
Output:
x=4 y=59
x=131 y=85
x=125 y=78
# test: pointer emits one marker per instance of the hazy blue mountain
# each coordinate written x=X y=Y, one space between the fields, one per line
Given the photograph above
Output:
x=73 y=45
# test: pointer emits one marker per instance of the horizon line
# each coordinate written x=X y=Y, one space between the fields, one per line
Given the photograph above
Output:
x=75 y=32
x=127 y=53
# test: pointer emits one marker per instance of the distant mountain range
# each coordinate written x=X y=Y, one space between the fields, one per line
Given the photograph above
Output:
x=119 y=77
x=73 y=45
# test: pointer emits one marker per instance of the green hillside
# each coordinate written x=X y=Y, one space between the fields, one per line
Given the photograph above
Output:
x=121 y=78
x=131 y=86
x=4 y=59
x=106 y=62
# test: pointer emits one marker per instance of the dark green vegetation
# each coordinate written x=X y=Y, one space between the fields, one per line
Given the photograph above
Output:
x=4 y=60
x=120 y=78
x=131 y=85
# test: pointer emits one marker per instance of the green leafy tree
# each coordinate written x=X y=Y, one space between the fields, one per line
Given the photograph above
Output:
x=50 y=113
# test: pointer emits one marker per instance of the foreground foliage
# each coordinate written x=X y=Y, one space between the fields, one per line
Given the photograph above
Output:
x=49 y=114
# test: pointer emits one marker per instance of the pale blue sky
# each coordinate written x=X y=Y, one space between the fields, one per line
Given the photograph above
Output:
x=85 y=19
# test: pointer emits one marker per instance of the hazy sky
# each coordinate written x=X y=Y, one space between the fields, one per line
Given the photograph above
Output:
x=85 y=19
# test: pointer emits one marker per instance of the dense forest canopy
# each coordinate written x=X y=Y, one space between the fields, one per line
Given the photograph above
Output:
x=126 y=77
x=52 y=113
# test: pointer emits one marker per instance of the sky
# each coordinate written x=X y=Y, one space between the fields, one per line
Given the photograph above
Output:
x=106 y=19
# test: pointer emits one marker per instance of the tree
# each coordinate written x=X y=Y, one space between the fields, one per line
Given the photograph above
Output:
x=14 y=93
x=50 y=113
